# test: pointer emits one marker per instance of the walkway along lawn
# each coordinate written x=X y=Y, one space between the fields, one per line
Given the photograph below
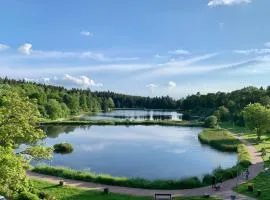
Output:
x=261 y=182
x=71 y=193
x=221 y=137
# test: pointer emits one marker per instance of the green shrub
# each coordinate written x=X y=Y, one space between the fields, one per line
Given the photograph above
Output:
x=186 y=183
x=243 y=156
x=27 y=196
x=63 y=148
x=46 y=196
x=211 y=122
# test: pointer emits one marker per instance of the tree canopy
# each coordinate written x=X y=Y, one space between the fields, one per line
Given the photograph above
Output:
x=257 y=118
x=18 y=124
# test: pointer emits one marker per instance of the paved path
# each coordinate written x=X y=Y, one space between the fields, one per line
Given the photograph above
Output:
x=225 y=193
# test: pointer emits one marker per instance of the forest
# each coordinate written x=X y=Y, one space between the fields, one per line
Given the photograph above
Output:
x=58 y=102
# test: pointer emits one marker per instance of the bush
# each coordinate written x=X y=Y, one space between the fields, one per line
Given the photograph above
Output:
x=46 y=196
x=63 y=148
x=27 y=196
x=211 y=122
x=222 y=113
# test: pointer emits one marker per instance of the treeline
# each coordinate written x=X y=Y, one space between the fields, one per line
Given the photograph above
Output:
x=129 y=101
x=56 y=102
x=226 y=105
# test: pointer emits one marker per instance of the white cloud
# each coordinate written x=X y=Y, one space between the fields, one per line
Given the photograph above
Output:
x=151 y=86
x=102 y=58
x=171 y=84
x=83 y=81
x=215 y=3
x=252 y=51
x=25 y=49
x=86 y=33
x=267 y=44
x=3 y=47
x=94 y=56
x=180 y=52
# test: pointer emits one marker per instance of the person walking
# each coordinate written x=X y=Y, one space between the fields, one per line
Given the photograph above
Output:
x=247 y=174
x=213 y=181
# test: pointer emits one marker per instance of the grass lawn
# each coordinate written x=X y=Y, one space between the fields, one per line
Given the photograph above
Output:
x=261 y=182
x=71 y=193
x=220 y=139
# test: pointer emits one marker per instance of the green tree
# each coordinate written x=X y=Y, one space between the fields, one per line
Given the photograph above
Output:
x=257 y=118
x=222 y=113
x=54 y=109
x=18 y=119
x=210 y=122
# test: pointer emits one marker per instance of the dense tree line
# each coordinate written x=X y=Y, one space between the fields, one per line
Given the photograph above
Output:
x=56 y=102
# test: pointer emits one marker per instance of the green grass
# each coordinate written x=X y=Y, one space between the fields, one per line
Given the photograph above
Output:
x=223 y=140
x=126 y=122
x=220 y=139
x=261 y=182
x=71 y=193
x=230 y=126
x=192 y=182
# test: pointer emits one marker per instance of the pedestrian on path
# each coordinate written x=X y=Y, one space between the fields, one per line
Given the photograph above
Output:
x=247 y=174
x=213 y=181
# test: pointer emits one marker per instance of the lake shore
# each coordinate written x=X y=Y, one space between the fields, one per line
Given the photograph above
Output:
x=126 y=122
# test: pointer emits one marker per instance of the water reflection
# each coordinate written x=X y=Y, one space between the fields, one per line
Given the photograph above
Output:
x=137 y=151
x=136 y=115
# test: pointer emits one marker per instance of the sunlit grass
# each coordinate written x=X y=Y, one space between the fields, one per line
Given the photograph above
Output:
x=71 y=193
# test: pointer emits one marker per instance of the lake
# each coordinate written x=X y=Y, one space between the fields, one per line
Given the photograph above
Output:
x=139 y=115
x=152 y=152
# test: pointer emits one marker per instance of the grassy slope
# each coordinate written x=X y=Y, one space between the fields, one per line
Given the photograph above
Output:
x=70 y=193
x=223 y=140
x=220 y=139
x=261 y=182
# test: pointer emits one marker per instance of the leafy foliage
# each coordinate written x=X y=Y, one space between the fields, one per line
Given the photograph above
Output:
x=63 y=148
x=27 y=196
x=210 y=122
x=18 y=119
x=257 y=118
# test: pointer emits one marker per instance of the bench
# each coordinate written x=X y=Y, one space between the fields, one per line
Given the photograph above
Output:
x=163 y=196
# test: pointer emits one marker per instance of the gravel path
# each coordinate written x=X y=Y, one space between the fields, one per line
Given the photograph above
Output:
x=225 y=192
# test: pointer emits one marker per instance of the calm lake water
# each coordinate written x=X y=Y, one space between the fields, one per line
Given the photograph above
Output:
x=152 y=152
x=130 y=114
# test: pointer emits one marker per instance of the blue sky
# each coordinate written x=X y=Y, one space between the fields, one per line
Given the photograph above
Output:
x=153 y=47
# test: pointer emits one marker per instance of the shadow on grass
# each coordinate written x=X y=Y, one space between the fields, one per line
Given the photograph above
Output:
x=53 y=186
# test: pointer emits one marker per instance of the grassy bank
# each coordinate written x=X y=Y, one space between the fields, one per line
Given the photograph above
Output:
x=223 y=140
x=71 y=193
x=126 y=122
x=261 y=182
x=187 y=183
x=219 y=139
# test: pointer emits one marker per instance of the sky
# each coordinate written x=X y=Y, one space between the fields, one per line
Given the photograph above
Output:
x=148 y=48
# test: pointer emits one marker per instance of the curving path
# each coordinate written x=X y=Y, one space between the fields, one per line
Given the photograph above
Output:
x=225 y=193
